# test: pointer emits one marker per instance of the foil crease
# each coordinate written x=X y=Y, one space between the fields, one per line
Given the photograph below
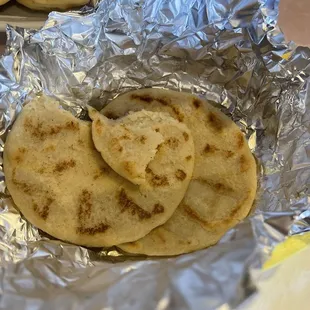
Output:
x=228 y=52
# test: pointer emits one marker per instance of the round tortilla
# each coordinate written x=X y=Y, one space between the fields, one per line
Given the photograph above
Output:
x=62 y=185
x=224 y=182
x=129 y=144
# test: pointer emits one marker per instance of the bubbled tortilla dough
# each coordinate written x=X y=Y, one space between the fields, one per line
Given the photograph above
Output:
x=224 y=181
x=61 y=184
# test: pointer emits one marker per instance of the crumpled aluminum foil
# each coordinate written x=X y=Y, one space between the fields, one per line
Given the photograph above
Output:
x=229 y=52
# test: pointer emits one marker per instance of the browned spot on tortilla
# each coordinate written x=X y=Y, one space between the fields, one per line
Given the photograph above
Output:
x=178 y=114
x=188 y=157
x=157 y=180
x=98 y=126
x=215 y=122
x=172 y=143
x=157 y=129
x=85 y=205
x=129 y=166
x=37 y=129
x=196 y=103
x=84 y=214
x=240 y=140
x=145 y=98
x=120 y=149
x=143 y=139
x=209 y=149
x=64 y=165
x=41 y=170
x=100 y=228
x=20 y=154
x=163 y=101
x=18 y=158
x=194 y=215
x=71 y=125
x=124 y=137
x=186 y=136
x=180 y=175
x=43 y=212
x=23 y=186
x=101 y=172
x=216 y=186
x=129 y=205
x=111 y=115
x=158 y=208
x=228 y=154
x=49 y=148
x=244 y=163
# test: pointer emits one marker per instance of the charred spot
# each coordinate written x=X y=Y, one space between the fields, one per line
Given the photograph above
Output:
x=180 y=175
x=120 y=149
x=210 y=149
x=244 y=163
x=100 y=228
x=41 y=170
x=177 y=113
x=163 y=101
x=129 y=166
x=98 y=126
x=228 y=154
x=53 y=131
x=27 y=189
x=22 y=150
x=143 y=139
x=194 y=215
x=188 y=157
x=172 y=143
x=71 y=125
x=240 y=140
x=129 y=205
x=37 y=130
x=111 y=115
x=43 y=212
x=145 y=98
x=186 y=136
x=124 y=137
x=216 y=186
x=18 y=159
x=158 y=208
x=159 y=180
x=215 y=122
x=64 y=165
x=196 y=103
x=85 y=205
x=157 y=129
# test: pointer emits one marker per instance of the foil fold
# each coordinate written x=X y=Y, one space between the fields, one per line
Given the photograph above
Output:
x=228 y=52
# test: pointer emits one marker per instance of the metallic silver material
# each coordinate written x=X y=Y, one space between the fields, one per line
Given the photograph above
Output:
x=229 y=52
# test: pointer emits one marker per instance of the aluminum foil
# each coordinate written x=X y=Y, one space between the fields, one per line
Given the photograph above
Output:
x=229 y=52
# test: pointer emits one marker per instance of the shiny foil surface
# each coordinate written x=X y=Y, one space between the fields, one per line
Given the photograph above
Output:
x=228 y=52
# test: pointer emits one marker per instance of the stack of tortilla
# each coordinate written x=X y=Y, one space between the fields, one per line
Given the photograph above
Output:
x=157 y=172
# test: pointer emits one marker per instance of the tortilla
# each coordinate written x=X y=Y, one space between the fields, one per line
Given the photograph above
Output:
x=224 y=181
x=129 y=144
x=62 y=185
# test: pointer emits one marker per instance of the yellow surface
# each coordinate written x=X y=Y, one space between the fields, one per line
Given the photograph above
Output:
x=287 y=248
